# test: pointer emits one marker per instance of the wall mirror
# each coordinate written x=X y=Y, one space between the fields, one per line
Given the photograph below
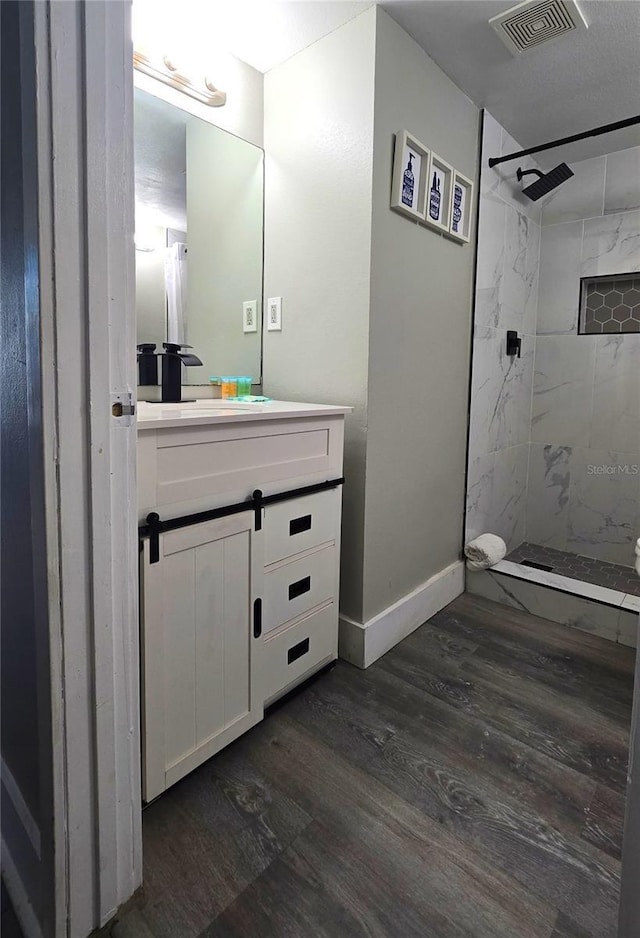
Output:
x=199 y=239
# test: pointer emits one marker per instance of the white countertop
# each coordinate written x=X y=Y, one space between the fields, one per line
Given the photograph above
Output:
x=152 y=416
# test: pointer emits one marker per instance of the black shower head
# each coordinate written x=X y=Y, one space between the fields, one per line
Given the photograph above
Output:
x=546 y=182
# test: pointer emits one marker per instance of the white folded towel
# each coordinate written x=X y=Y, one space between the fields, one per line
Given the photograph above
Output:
x=485 y=551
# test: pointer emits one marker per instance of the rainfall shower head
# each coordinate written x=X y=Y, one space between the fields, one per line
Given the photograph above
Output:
x=546 y=182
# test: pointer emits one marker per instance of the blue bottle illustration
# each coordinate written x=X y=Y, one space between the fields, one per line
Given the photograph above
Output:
x=457 y=207
x=434 y=199
x=407 y=184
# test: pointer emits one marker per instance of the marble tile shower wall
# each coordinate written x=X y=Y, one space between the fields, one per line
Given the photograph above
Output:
x=506 y=298
x=555 y=434
x=584 y=462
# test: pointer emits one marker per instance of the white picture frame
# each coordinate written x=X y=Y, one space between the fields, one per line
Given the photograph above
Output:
x=438 y=194
x=461 y=211
x=411 y=160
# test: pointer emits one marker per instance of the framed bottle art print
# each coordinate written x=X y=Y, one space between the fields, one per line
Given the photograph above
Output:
x=438 y=201
x=410 y=168
x=461 y=207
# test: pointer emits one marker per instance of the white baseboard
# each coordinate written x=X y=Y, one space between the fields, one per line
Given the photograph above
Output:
x=363 y=643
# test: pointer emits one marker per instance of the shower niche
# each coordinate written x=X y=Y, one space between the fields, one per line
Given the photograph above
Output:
x=610 y=305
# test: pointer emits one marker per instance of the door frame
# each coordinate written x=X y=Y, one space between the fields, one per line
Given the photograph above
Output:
x=84 y=59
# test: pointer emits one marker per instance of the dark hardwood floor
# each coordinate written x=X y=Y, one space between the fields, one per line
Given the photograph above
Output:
x=470 y=784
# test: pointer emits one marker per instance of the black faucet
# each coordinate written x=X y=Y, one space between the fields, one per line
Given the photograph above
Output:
x=172 y=361
x=147 y=363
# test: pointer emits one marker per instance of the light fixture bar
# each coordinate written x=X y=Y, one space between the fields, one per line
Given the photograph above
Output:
x=166 y=72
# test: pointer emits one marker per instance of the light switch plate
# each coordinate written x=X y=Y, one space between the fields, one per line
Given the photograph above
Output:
x=274 y=314
x=250 y=316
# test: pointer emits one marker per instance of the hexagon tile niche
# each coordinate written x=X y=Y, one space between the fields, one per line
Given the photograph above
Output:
x=610 y=304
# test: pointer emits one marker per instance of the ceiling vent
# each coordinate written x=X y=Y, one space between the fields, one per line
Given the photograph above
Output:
x=534 y=21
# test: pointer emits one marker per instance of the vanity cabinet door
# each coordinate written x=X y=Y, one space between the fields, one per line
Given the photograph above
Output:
x=199 y=652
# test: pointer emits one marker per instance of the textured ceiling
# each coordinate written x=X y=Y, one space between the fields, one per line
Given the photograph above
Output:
x=568 y=85
x=565 y=86
x=278 y=30
x=262 y=33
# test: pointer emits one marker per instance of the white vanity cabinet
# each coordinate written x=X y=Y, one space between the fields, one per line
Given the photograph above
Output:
x=300 y=588
x=200 y=658
x=238 y=593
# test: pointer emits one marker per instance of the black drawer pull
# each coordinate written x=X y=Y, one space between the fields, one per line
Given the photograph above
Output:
x=298 y=651
x=257 y=618
x=298 y=525
x=300 y=587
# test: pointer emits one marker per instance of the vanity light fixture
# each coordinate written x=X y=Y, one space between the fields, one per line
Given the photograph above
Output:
x=142 y=247
x=165 y=69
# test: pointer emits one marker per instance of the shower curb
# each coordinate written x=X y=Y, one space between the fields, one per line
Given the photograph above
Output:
x=611 y=620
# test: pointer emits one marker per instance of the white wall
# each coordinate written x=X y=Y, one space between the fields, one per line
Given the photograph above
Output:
x=376 y=310
x=319 y=151
x=419 y=337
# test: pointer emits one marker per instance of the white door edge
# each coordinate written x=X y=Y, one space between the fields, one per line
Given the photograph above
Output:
x=85 y=141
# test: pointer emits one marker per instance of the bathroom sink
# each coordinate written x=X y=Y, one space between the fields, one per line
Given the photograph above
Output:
x=208 y=411
x=202 y=408
x=208 y=404
x=152 y=415
x=160 y=411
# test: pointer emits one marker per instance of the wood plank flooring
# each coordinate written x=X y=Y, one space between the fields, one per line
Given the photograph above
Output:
x=470 y=784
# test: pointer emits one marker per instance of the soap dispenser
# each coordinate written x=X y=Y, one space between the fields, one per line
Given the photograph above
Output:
x=172 y=361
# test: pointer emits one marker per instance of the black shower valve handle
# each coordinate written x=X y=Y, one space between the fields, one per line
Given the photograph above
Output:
x=514 y=343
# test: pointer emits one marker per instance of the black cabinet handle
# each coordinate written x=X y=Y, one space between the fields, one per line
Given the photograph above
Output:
x=153 y=525
x=257 y=508
x=257 y=618
x=298 y=651
x=299 y=587
x=298 y=525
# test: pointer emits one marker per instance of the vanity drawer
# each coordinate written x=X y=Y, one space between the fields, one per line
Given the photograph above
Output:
x=300 y=524
x=293 y=588
x=299 y=649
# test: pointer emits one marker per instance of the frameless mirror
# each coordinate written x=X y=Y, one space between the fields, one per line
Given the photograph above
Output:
x=199 y=239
